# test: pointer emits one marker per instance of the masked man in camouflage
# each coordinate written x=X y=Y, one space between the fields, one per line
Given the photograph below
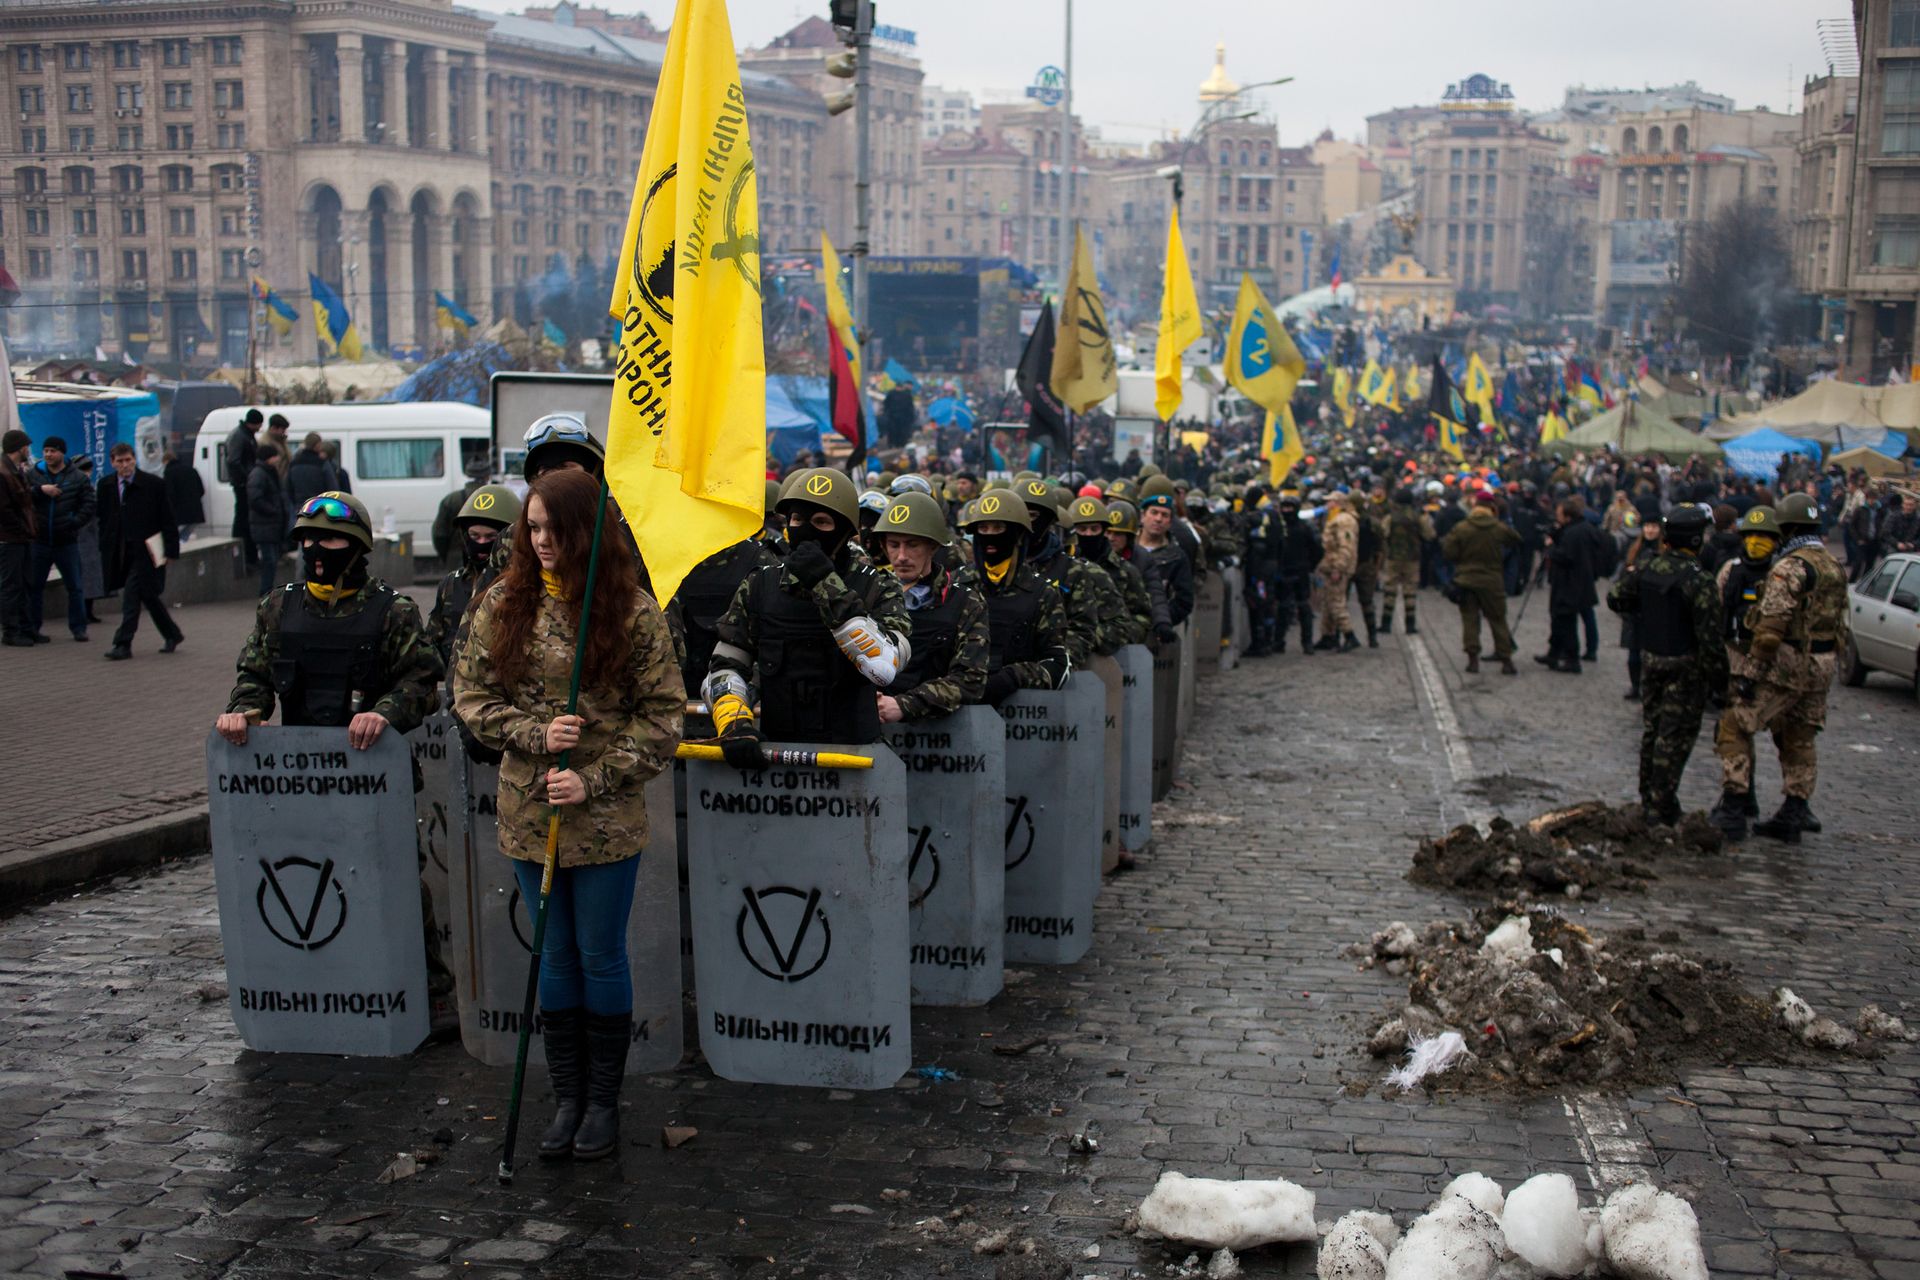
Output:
x=1136 y=591
x=343 y=649
x=1026 y=622
x=1340 y=536
x=1798 y=625
x=1675 y=607
x=488 y=511
x=1093 y=602
x=1408 y=530
x=948 y=666
x=1092 y=547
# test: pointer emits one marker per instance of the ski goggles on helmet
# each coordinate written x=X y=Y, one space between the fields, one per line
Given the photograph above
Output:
x=558 y=428
x=331 y=509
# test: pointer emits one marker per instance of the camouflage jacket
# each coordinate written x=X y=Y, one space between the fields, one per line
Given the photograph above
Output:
x=1225 y=539
x=965 y=679
x=854 y=591
x=1094 y=607
x=1049 y=633
x=1135 y=621
x=1341 y=540
x=450 y=604
x=632 y=728
x=1803 y=607
x=1702 y=596
x=410 y=670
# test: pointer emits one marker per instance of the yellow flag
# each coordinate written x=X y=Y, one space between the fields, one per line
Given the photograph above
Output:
x=1479 y=388
x=1450 y=437
x=1343 y=394
x=687 y=439
x=1084 y=371
x=1552 y=427
x=1373 y=383
x=1390 y=390
x=1179 y=323
x=839 y=314
x=1282 y=444
x=1261 y=358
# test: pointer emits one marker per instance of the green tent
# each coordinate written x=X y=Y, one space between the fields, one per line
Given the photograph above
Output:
x=1633 y=428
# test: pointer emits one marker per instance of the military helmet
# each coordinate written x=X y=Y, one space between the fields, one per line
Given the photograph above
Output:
x=1020 y=476
x=1123 y=489
x=1156 y=491
x=490 y=504
x=1148 y=471
x=1122 y=516
x=874 y=503
x=910 y=483
x=1760 y=520
x=1685 y=519
x=339 y=513
x=1038 y=493
x=1796 y=510
x=996 y=504
x=1087 y=511
x=825 y=488
x=773 y=497
x=917 y=515
x=556 y=438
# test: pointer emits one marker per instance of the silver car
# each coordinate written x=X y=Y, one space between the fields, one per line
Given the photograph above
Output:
x=1884 y=609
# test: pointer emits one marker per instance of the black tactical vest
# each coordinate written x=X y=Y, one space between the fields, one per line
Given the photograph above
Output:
x=809 y=692
x=321 y=662
x=1737 y=597
x=1665 y=625
x=1013 y=624
x=936 y=632
x=706 y=593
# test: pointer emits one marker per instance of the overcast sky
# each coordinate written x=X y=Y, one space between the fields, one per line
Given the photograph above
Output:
x=1139 y=62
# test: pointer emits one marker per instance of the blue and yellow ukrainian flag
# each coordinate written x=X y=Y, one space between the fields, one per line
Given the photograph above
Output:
x=449 y=314
x=279 y=315
x=331 y=318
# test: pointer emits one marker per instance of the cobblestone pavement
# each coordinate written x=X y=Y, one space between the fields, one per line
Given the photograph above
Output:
x=1210 y=1030
x=77 y=730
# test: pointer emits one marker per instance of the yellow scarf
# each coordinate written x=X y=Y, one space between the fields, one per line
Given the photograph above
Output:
x=999 y=573
x=551 y=581
x=330 y=594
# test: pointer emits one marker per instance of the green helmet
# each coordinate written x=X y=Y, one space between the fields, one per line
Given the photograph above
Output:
x=1797 y=510
x=773 y=497
x=1761 y=520
x=1001 y=483
x=1019 y=476
x=1038 y=493
x=336 y=512
x=1087 y=511
x=1148 y=471
x=1062 y=499
x=1157 y=491
x=1123 y=516
x=1122 y=488
x=996 y=504
x=825 y=488
x=917 y=515
x=490 y=504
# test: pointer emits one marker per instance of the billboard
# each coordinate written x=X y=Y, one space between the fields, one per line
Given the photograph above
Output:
x=1643 y=250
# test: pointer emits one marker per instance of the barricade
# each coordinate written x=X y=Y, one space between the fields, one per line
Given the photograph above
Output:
x=1166 y=715
x=956 y=868
x=1239 y=624
x=1108 y=672
x=433 y=812
x=1056 y=771
x=1209 y=609
x=798 y=882
x=316 y=874
x=1136 y=746
x=493 y=932
x=1189 y=661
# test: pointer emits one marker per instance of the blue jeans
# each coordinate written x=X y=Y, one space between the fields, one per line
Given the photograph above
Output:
x=67 y=560
x=269 y=553
x=583 y=959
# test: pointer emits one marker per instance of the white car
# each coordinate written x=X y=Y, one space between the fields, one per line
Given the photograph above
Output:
x=1884 y=609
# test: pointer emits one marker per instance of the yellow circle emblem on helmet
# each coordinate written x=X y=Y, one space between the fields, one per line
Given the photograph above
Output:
x=820 y=486
x=989 y=505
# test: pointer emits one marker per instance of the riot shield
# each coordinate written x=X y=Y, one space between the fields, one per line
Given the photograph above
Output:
x=1108 y=672
x=1136 y=746
x=434 y=813
x=1056 y=771
x=1166 y=715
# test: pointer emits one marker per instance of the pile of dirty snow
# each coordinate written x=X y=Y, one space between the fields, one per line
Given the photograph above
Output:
x=1539 y=1001
x=1571 y=853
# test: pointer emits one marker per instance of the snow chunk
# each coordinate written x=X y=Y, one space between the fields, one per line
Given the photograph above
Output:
x=1224 y=1266
x=1511 y=943
x=1478 y=1190
x=1356 y=1248
x=1881 y=1025
x=1429 y=1056
x=1815 y=1029
x=1227 y=1215
x=1453 y=1241
x=1652 y=1235
x=1542 y=1224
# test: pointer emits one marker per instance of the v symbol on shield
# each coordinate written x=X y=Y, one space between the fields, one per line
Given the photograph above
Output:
x=786 y=958
x=301 y=925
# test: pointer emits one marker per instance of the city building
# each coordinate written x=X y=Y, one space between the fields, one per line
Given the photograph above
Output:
x=636 y=25
x=1883 y=248
x=1823 y=191
x=800 y=57
x=975 y=195
x=1481 y=174
x=1668 y=170
x=1583 y=120
x=944 y=111
x=1350 y=180
x=1404 y=295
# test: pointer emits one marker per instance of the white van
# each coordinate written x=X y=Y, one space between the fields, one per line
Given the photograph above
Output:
x=401 y=459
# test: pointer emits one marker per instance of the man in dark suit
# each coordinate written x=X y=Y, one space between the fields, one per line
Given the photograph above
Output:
x=133 y=507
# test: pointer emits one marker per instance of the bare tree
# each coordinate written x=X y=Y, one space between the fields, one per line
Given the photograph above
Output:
x=1736 y=281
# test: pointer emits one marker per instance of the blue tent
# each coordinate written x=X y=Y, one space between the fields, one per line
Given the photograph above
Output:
x=797 y=412
x=1757 y=453
x=950 y=412
x=1883 y=440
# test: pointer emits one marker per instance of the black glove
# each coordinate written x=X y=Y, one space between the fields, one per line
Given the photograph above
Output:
x=1744 y=689
x=1165 y=633
x=1000 y=686
x=809 y=564
x=740 y=746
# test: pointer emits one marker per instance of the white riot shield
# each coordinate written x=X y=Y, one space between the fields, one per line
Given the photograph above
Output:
x=1136 y=746
x=1166 y=715
x=1108 y=671
x=433 y=807
x=318 y=882
x=1056 y=771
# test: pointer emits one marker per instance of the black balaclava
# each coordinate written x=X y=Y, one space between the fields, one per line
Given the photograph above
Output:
x=478 y=553
x=992 y=548
x=330 y=566
x=1092 y=546
x=833 y=543
x=1043 y=540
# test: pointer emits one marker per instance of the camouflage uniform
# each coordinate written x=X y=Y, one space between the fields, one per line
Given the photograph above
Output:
x=632 y=727
x=1798 y=624
x=954 y=675
x=1370 y=552
x=450 y=604
x=1341 y=541
x=402 y=687
x=1134 y=623
x=1407 y=530
x=1675 y=607
x=1093 y=604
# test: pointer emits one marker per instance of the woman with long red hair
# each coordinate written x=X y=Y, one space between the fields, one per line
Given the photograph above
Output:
x=510 y=689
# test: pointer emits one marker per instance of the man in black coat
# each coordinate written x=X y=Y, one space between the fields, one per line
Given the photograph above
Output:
x=133 y=507
x=1574 y=560
x=241 y=452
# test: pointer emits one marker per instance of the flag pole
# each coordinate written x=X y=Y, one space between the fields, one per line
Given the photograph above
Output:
x=553 y=853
